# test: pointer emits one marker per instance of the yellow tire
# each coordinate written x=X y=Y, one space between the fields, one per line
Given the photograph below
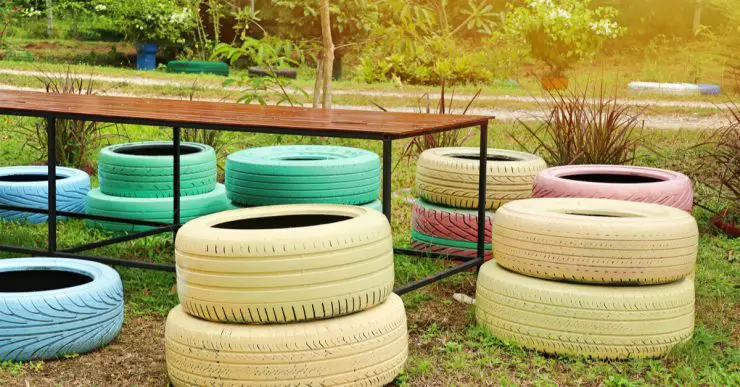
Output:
x=364 y=349
x=574 y=319
x=286 y=263
x=449 y=176
x=595 y=240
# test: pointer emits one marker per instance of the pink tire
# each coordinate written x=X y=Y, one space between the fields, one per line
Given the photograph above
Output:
x=637 y=184
x=448 y=223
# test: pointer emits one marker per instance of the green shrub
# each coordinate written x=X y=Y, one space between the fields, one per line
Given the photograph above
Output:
x=151 y=21
x=562 y=32
x=427 y=61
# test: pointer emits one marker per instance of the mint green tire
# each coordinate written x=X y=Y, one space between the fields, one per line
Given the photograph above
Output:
x=303 y=174
x=144 y=169
x=375 y=205
x=198 y=67
x=152 y=209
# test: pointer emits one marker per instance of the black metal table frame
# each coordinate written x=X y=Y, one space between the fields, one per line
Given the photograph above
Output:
x=158 y=228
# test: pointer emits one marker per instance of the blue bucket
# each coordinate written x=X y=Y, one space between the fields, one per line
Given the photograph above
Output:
x=146 y=56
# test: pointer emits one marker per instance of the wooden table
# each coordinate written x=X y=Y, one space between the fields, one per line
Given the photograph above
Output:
x=382 y=126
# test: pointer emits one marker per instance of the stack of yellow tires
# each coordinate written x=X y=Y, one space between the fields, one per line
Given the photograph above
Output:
x=444 y=219
x=592 y=277
x=286 y=295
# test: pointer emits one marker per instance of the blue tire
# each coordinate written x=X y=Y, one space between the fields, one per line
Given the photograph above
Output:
x=709 y=89
x=28 y=187
x=52 y=307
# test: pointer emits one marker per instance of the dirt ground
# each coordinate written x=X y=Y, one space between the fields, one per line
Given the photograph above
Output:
x=135 y=358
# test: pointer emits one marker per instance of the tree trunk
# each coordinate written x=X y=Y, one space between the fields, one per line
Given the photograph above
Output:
x=327 y=56
x=49 y=18
x=697 y=16
x=317 y=83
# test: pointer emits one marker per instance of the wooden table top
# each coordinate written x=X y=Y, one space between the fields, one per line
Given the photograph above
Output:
x=232 y=116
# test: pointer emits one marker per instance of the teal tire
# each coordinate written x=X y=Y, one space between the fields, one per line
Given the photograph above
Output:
x=376 y=205
x=303 y=174
x=152 y=209
x=144 y=169
x=197 y=67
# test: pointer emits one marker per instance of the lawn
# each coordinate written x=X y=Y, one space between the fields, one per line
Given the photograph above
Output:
x=446 y=346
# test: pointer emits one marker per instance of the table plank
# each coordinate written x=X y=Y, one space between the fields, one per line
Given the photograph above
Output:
x=218 y=115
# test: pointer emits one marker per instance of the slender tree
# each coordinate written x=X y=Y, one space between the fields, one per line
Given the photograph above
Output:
x=325 y=66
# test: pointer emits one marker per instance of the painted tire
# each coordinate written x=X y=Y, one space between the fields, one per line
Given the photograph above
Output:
x=303 y=174
x=595 y=240
x=198 y=67
x=28 y=187
x=709 y=89
x=144 y=169
x=448 y=223
x=434 y=244
x=283 y=72
x=439 y=248
x=375 y=205
x=573 y=319
x=286 y=263
x=368 y=348
x=52 y=307
x=152 y=209
x=449 y=176
x=637 y=184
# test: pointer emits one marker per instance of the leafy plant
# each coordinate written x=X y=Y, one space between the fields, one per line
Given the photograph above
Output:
x=578 y=129
x=352 y=20
x=719 y=167
x=207 y=19
x=434 y=39
x=75 y=139
x=562 y=32
x=426 y=18
x=10 y=13
x=452 y=138
x=270 y=57
x=152 y=21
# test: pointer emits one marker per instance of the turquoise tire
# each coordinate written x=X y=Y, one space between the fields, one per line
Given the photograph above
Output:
x=144 y=169
x=152 y=209
x=303 y=174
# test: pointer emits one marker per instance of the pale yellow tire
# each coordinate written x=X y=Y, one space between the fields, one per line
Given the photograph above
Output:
x=364 y=349
x=325 y=269
x=449 y=176
x=595 y=240
x=614 y=322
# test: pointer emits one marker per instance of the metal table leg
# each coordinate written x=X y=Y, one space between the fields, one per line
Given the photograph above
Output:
x=51 y=139
x=387 y=168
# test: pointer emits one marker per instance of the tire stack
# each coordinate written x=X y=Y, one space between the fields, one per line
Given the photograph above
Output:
x=303 y=174
x=444 y=219
x=590 y=277
x=286 y=295
x=136 y=182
